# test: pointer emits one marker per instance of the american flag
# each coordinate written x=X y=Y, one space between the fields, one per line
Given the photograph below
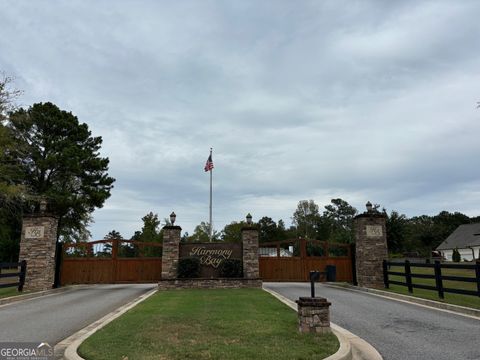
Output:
x=209 y=164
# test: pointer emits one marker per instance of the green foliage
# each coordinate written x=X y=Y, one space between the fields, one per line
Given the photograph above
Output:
x=201 y=234
x=456 y=255
x=339 y=216
x=188 y=267
x=57 y=158
x=232 y=233
x=305 y=218
x=231 y=268
x=397 y=228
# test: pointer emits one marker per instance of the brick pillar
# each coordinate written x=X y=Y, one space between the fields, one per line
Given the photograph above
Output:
x=313 y=315
x=250 y=253
x=170 y=252
x=37 y=247
x=371 y=248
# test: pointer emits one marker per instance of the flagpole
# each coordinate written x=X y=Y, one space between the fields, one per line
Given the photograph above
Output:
x=211 y=225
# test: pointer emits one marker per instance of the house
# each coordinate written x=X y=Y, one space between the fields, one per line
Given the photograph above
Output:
x=466 y=238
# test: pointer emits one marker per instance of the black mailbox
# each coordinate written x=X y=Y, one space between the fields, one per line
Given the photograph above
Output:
x=314 y=276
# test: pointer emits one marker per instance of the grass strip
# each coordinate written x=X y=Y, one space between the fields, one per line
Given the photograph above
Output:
x=208 y=324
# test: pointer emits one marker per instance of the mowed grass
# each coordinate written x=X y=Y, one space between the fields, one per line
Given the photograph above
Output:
x=9 y=291
x=208 y=324
x=456 y=299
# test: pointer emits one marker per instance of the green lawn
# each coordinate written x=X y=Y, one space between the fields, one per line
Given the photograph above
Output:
x=456 y=299
x=208 y=324
x=9 y=291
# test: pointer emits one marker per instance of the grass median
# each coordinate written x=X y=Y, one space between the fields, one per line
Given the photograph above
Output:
x=208 y=324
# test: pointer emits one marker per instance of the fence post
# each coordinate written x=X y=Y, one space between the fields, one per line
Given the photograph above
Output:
x=58 y=264
x=408 y=276
x=477 y=273
x=438 y=279
x=385 y=273
x=23 y=271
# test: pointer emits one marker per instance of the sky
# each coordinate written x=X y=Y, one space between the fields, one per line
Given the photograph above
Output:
x=360 y=100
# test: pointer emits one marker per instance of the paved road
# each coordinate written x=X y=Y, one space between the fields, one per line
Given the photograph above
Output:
x=52 y=318
x=399 y=331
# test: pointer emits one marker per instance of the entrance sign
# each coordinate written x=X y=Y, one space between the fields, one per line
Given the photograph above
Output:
x=374 y=231
x=34 y=232
x=211 y=255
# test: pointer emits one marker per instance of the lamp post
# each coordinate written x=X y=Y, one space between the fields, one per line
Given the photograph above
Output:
x=173 y=217
x=249 y=219
x=369 y=207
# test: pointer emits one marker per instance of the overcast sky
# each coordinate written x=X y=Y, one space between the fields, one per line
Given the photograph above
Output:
x=363 y=100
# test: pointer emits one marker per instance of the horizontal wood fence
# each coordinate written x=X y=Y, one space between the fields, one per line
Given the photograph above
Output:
x=292 y=260
x=437 y=276
x=19 y=272
x=111 y=261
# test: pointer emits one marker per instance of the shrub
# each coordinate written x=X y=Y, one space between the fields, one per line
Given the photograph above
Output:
x=188 y=268
x=456 y=255
x=231 y=268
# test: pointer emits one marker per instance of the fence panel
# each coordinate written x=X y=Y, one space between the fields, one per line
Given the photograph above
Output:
x=438 y=277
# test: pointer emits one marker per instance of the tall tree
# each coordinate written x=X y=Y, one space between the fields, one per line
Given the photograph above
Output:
x=397 y=231
x=305 y=218
x=340 y=214
x=59 y=160
x=11 y=191
x=201 y=233
x=232 y=233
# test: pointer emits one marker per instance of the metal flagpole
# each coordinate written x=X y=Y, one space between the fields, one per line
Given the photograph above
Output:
x=211 y=225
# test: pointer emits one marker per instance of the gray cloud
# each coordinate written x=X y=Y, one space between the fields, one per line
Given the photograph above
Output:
x=300 y=100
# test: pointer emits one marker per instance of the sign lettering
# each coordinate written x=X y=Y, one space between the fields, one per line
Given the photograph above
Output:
x=374 y=231
x=34 y=232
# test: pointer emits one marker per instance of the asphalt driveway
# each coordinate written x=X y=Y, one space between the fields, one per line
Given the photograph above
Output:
x=54 y=317
x=399 y=331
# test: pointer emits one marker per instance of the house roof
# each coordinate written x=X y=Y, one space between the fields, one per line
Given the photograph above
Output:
x=463 y=236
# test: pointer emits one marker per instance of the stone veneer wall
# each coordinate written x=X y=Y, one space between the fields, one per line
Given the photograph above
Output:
x=371 y=248
x=313 y=315
x=39 y=251
x=250 y=253
x=221 y=283
x=171 y=251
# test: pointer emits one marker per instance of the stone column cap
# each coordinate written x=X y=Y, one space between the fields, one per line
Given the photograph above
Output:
x=251 y=228
x=172 y=227
x=40 y=215
x=372 y=214
x=316 y=301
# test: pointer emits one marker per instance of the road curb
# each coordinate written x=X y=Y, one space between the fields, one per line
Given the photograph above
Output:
x=352 y=347
x=456 y=309
x=70 y=345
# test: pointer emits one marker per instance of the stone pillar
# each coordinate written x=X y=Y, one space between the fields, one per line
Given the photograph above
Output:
x=313 y=315
x=250 y=253
x=371 y=248
x=171 y=251
x=37 y=248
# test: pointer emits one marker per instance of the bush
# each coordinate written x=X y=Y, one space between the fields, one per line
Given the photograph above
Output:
x=188 y=268
x=231 y=268
x=456 y=255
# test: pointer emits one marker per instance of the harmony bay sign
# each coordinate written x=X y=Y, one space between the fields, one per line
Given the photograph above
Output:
x=211 y=255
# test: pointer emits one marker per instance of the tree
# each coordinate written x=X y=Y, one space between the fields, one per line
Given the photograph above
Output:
x=201 y=233
x=11 y=191
x=397 y=228
x=232 y=233
x=305 y=218
x=340 y=215
x=59 y=159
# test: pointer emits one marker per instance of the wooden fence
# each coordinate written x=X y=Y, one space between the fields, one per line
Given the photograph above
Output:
x=111 y=261
x=438 y=277
x=292 y=260
x=18 y=274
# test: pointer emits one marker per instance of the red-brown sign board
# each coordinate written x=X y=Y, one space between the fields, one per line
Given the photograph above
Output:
x=211 y=256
